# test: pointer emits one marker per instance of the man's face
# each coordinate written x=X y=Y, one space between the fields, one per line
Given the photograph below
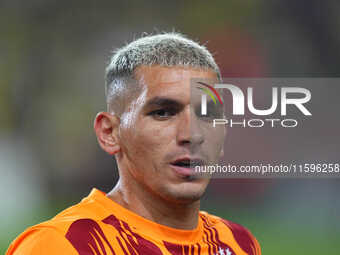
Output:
x=159 y=134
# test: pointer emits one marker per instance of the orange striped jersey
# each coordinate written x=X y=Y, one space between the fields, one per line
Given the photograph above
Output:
x=99 y=226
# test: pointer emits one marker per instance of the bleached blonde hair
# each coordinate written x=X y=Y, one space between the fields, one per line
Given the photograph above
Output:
x=166 y=49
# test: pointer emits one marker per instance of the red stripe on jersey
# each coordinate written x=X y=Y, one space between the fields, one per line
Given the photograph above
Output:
x=82 y=234
x=242 y=237
x=142 y=246
x=199 y=249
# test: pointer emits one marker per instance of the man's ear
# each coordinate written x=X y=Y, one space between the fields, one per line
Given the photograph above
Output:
x=106 y=129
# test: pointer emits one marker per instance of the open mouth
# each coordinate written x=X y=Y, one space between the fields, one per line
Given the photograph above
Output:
x=186 y=166
x=187 y=163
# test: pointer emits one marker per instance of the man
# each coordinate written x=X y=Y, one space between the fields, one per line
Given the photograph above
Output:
x=156 y=137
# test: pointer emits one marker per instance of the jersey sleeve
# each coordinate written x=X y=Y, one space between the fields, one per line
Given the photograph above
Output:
x=39 y=241
x=244 y=238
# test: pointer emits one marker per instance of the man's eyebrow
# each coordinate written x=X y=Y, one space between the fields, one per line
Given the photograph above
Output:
x=162 y=101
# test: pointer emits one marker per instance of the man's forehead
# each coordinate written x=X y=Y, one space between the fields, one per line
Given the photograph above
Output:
x=172 y=74
x=174 y=80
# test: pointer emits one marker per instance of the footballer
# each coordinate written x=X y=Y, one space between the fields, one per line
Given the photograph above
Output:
x=151 y=130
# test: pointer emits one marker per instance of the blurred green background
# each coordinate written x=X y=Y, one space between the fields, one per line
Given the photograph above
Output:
x=52 y=60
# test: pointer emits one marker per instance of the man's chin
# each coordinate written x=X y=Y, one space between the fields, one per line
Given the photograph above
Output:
x=186 y=193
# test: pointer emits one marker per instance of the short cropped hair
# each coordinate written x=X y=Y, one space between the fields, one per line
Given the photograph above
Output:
x=167 y=49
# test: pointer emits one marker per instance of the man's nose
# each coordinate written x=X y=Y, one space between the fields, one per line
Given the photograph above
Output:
x=189 y=131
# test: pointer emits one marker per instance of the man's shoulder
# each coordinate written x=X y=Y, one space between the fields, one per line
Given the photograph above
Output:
x=242 y=236
x=40 y=239
x=52 y=232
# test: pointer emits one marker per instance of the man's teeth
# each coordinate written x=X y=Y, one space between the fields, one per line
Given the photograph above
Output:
x=187 y=163
x=183 y=164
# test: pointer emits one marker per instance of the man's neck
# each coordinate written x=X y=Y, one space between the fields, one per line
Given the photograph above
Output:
x=152 y=207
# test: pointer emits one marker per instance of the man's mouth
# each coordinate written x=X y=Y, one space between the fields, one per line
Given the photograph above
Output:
x=186 y=166
x=188 y=163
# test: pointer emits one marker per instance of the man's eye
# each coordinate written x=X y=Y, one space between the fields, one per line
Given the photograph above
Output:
x=162 y=113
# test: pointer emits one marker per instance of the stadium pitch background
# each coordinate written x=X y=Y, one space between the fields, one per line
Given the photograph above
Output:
x=53 y=56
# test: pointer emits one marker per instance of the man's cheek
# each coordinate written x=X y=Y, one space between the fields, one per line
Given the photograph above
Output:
x=216 y=138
